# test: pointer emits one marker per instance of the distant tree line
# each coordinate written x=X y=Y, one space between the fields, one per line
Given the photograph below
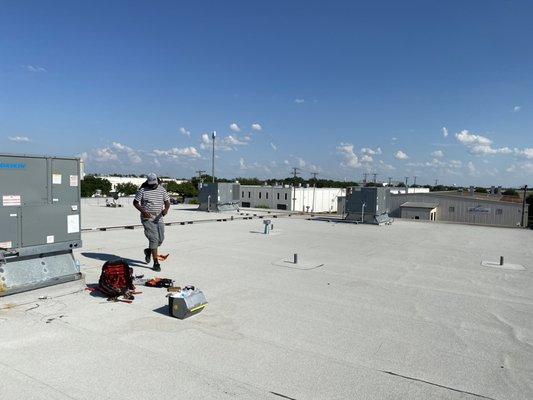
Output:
x=91 y=183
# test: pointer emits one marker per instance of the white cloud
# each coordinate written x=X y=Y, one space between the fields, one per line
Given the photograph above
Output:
x=394 y=139
x=234 y=127
x=185 y=132
x=205 y=141
x=517 y=108
x=234 y=141
x=256 y=127
x=19 y=138
x=104 y=155
x=366 y=158
x=385 y=166
x=346 y=150
x=511 y=168
x=444 y=131
x=470 y=139
x=437 y=153
x=456 y=163
x=527 y=152
x=34 y=68
x=400 y=155
x=243 y=165
x=299 y=101
x=479 y=145
x=301 y=162
x=133 y=156
x=227 y=143
x=175 y=152
x=472 y=170
x=366 y=150
x=273 y=146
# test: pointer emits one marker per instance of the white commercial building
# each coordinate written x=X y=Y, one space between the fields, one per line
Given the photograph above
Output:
x=411 y=190
x=304 y=199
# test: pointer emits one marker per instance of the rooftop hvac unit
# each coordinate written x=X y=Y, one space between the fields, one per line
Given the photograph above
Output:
x=219 y=196
x=39 y=221
x=368 y=205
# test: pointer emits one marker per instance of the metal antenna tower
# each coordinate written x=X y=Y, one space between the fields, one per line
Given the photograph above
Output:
x=374 y=175
x=213 y=136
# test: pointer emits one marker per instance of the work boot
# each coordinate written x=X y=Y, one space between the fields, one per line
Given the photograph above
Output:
x=147 y=255
x=157 y=267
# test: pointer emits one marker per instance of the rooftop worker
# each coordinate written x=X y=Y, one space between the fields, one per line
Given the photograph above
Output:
x=153 y=202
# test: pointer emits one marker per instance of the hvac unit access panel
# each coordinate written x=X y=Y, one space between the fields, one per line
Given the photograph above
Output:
x=39 y=201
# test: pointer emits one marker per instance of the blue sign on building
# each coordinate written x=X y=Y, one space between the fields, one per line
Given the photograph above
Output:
x=4 y=165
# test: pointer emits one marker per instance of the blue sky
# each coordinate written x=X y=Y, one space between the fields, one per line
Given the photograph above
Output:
x=440 y=90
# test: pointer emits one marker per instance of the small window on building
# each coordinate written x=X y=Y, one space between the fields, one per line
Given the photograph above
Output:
x=285 y=196
x=242 y=193
x=278 y=196
x=259 y=194
x=416 y=217
x=499 y=211
x=249 y=194
x=451 y=209
x=266 y=195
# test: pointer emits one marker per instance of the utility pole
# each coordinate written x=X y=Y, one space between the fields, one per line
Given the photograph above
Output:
x=365 y=175
x=414 y=183
x=213 y=136
x=436 y=182
x=315 y=174
x=201 y=180
x=406 y=184
x=374 y=178
x=524 y=223
x=295 y=172
x=390 y=180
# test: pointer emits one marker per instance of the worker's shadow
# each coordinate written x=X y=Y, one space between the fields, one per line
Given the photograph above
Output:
x=112 y=257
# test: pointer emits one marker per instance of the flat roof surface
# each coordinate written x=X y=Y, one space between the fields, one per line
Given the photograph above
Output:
x=99 y=216
x=370 y=312
x=419 y=204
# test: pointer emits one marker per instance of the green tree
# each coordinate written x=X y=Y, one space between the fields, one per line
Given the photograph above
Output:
x=127 y=188
x=90 y=184
x=185 y=189
x=510 y=192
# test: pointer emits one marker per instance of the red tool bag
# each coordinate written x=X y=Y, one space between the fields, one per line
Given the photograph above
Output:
x=116 y=279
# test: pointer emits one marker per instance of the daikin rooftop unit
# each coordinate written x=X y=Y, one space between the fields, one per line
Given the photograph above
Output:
x=39 y=221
